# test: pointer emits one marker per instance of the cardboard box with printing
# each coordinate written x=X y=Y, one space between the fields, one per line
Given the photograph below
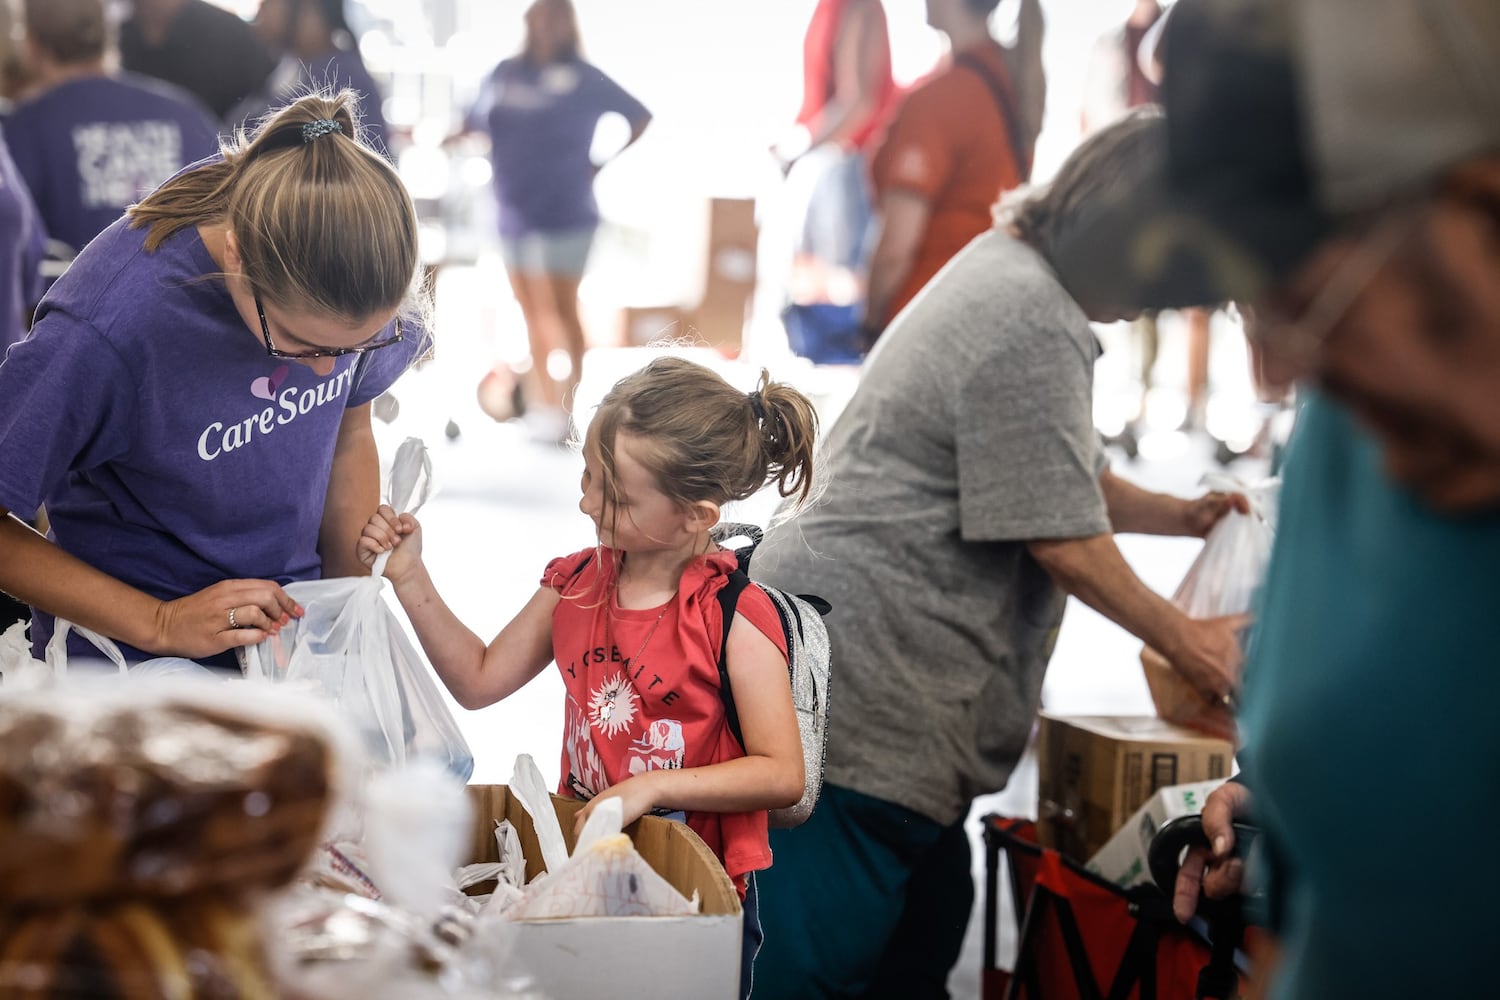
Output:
x=647 y=957
x=1096 y=771
x=1123 y=859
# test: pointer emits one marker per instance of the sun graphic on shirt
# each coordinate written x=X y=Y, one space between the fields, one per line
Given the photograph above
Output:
x=612 y=706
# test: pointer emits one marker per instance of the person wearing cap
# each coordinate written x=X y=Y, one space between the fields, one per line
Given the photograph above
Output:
x=968 y=496
x=90 y=142
x=192 y=402
x=1336 y=165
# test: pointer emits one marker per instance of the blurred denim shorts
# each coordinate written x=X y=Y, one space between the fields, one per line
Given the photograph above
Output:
x=564 y=252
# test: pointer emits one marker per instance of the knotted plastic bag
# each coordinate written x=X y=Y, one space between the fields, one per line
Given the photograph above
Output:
x=349 y=647
x=1229 y=570
x=1223 y=580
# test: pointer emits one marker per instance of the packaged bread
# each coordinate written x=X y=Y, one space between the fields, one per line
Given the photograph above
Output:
x=159 y=790
x=133 y=950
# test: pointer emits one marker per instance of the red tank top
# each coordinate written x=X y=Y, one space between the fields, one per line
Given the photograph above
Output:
x=819 y=48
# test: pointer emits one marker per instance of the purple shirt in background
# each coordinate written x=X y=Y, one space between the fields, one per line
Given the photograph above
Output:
x=336 y=70
x=541 y=121
x=23 y=243
x=172 y=452
x=90 y=147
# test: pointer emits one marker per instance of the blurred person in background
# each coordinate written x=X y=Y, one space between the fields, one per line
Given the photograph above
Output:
x=848 y=94
x=1337 y=165
x=318 y=51
x=957 y=141
x=1117 y=81
x=22 y=244
x=206 y=51
x=968 y=497
x=541 y=110
x=89 y=142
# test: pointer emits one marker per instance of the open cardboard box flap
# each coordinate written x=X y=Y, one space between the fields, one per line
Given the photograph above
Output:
x=675 y=851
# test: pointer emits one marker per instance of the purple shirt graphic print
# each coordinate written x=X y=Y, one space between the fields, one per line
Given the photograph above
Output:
x=171 y=451
x=89 y=147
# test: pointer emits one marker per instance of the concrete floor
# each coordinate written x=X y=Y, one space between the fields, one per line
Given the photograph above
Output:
x=505 y=505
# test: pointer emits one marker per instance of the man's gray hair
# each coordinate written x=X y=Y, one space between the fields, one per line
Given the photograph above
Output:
x=1102 y=170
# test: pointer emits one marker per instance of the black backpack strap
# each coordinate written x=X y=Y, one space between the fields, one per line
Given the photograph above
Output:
x=1001 y=93
x=729 y=599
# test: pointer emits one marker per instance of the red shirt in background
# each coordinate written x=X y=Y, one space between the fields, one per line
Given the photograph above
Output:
x=948 y=144
x=819 y=49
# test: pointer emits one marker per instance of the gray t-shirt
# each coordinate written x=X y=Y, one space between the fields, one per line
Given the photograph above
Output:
x=971 y=433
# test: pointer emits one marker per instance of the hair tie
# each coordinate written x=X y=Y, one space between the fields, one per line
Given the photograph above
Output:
x=320 y=128
x=757 y=407
x=291 y=136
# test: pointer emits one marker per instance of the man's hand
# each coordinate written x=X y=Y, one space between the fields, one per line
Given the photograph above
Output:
x=1206 y=651
x=1214 y=870
x=1200 y=515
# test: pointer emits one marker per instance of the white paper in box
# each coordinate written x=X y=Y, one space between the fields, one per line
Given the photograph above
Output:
x=1122 y=860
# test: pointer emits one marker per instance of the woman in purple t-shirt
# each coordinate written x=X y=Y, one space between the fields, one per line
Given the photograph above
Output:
x=192 y=402
x=540 y=110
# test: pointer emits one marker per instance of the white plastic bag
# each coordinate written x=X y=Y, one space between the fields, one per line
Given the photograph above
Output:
x=350 y=647
x=1223 y=580
x=1229 y=569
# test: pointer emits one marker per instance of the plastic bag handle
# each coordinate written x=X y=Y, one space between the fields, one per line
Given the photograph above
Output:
x=408 y=487
x=526 y=784
x=57 y=647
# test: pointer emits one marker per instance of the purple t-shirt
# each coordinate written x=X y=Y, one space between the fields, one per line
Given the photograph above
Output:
x=172 y=452
x=541 y=121
x=90 y=147
x=22 y=245
x=335 y=70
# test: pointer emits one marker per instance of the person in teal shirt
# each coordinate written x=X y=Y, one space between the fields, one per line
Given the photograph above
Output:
x=1337 y=166
x=1368 y=723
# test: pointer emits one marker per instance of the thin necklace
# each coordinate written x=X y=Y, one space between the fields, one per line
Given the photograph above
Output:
x=614 y=602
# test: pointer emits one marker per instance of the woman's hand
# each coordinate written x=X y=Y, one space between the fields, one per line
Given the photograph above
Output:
x=636 y=800
x=1218 y=872
x=225 y=616
x=398 y=534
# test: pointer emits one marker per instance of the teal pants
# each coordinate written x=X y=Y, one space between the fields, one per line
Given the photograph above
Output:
x=865 y=899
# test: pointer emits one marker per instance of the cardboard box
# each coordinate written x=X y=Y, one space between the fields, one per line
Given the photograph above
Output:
x=1123 y=859
x=625 y=957
x=643 y=325
x=1096 y=771
x=729 y=274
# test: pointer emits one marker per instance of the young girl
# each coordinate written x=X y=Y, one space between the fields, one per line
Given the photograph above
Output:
x=634 y=624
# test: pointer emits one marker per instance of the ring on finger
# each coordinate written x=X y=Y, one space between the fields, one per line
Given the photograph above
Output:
x=232 y=623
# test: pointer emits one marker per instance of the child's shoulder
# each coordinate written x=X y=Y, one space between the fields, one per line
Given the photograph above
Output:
x=578 y=570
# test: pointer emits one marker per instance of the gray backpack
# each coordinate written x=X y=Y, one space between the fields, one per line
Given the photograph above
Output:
x=807 y=661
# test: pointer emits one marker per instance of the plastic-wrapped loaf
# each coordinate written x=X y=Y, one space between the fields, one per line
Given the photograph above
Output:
x=151 y=790
x=198 y=947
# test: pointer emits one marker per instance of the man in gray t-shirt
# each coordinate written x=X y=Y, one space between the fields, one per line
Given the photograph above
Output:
x=967 y=495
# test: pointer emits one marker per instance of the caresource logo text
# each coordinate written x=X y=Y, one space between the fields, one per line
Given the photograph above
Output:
x=218 y=439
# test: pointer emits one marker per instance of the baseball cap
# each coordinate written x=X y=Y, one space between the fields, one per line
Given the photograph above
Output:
x=1286 y=120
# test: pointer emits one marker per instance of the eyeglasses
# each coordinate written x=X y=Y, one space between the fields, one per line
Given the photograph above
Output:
x=1299 y=337
x=319 y=352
